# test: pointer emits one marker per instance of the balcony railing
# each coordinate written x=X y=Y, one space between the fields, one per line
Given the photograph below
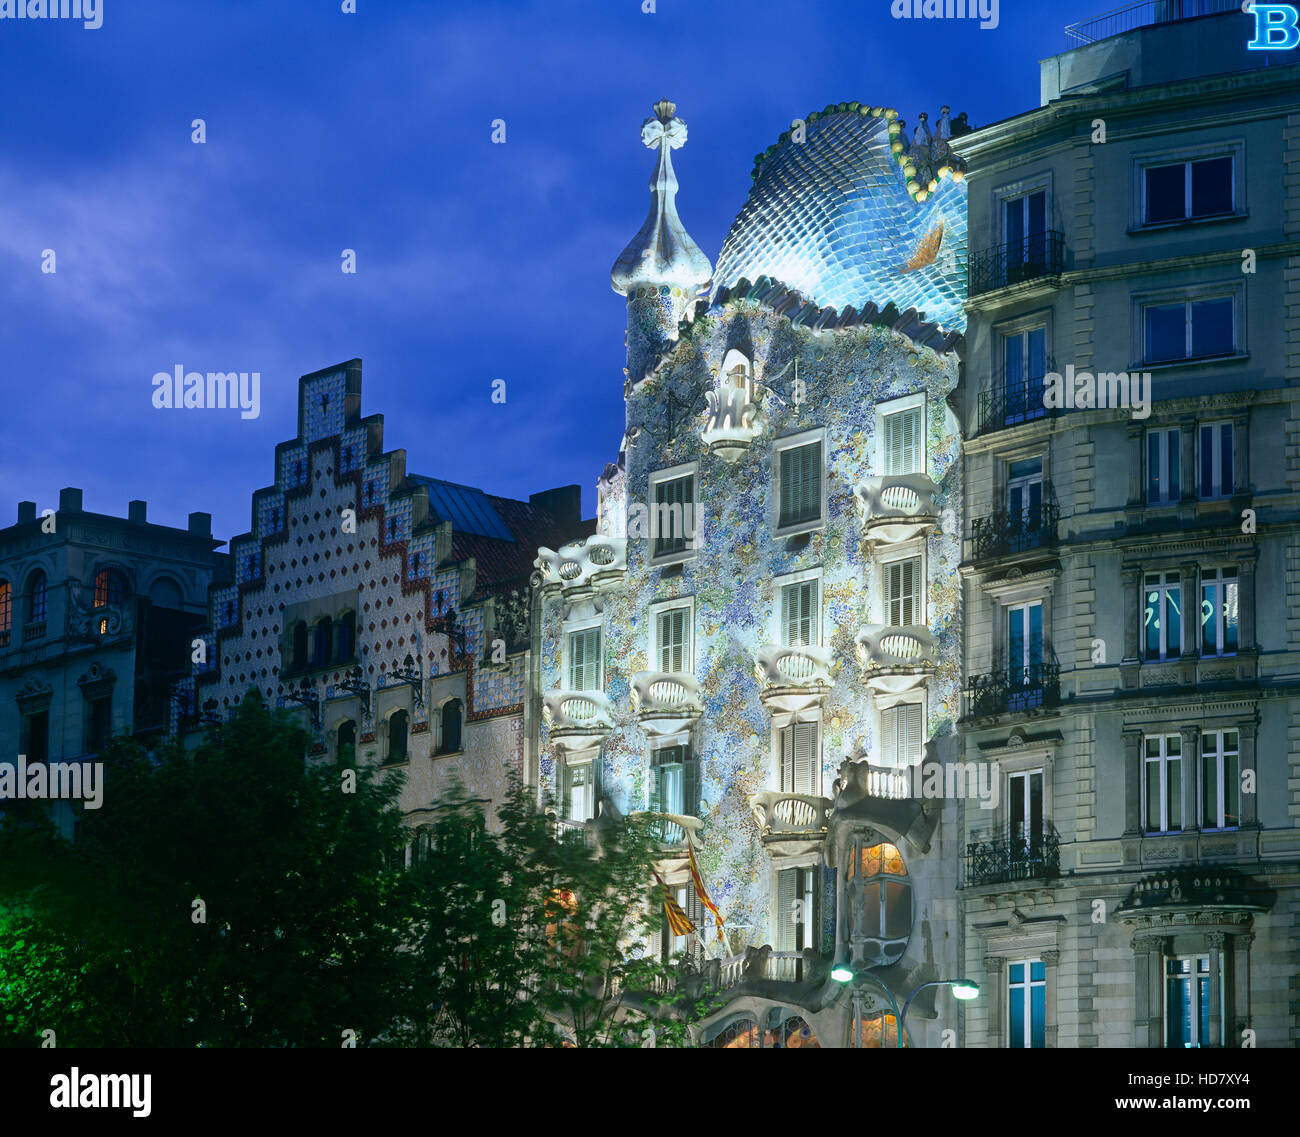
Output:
x=583 y=566
x=1141 y=15
x=906 y=646
x=897 y=507
x=779 y=666
x=672 y=830
x=573 y=832
x=781 y=814
x=998 y=858
x=1015 y=531
x=578 y=710
x=1014 y=399
x=1020 y=688
x=655 y=692
x=1038 y=255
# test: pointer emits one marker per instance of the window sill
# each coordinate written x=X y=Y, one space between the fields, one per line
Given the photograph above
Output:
x=1192 y=361
x=1186 y=223
x=799 y=529
x=449 y=753
x=389 y=765
x=667 y=559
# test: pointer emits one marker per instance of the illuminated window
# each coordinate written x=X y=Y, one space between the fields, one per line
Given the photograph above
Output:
x=793 y=1033
x=1219 y=611
x=110 y=588
x=1162 y=616
x=1027 y=1005
x=739 y=1035
x=879 y=893
x=879 y=1031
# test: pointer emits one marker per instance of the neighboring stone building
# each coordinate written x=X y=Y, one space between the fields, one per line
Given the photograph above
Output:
x=97 y=614
x=762 y=635
x=394 y=609
x=1132 y=579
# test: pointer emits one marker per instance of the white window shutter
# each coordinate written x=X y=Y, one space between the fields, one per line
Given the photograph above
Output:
x=805 y=749
x=785 y=898
x=787 y=760
x=912 y=742
x=889 y=736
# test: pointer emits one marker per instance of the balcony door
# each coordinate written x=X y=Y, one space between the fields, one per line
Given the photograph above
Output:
x=1024 y=503
x=1025 y=654
x=1024 y=362
x=1024 y=221
x=1025 y=811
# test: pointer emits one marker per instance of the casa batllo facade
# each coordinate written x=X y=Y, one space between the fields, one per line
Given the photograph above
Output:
x=761 y=639
x=391 y=610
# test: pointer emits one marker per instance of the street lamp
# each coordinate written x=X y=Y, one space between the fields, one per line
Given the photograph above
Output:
x=961 y=989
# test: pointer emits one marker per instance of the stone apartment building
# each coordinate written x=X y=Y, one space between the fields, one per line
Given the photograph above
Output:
x=1131 y=574
x=97 y=614
x=392 y=611
x=761 y=640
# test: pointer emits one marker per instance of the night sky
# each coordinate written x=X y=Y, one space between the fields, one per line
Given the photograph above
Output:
x=372 y=131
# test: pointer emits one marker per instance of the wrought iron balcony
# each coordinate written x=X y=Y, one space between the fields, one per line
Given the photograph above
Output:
x=1015 y=531
x=581 y=567
x=998 y=858
x=897 y=507
x=1019 y=688
x=790 y=815
x=1038 y=255
x=1012 y=400
x=579 y=711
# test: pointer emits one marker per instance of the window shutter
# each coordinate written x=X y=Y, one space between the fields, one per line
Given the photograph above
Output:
x=805 y=749
x=787 y=760
x=564 y=779
x=912 y=742
x=597 y=785
x=785 y=898
x=889 y=736
x=789 y=489
x=653 y=804
x=691 y=787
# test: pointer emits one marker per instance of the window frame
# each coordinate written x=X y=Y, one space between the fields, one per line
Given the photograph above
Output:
x=1194 y=993
x=1186 y=155
x=1168 y=467
x=1187 y=294
x=1217 y=490
x=913 y=759
x=1166 y=581
x=1029 y=985
x=1164 y=759
x=815 y=760
x=794 y=580
x=657 y=478
x=654 y=644
x=1218 y=755
x=581 y=628
x=816 y=437
x=897 y=556
x=807 y=887
x=1216 y=579
x=890 y=409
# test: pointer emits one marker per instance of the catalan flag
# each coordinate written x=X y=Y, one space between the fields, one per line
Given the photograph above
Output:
x=678 y=921
x=698 y=881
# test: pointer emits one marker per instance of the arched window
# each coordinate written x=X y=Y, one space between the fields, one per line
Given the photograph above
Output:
x=347 y=636
x=739 y=1035
x=791 y=1033
x=879 y=893
x=36 y=596
x=6 y=604
x=879 y=1031
x=300 y=645
x=346 y=747
x=398 y=724
x=451 y=717
x=110 y=587
x=323 y=643
x=166 y=593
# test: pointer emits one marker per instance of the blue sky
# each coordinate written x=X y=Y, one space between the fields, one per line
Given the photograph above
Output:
x=372 y=131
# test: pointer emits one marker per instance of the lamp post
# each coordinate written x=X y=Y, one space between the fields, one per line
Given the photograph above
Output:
x=961 y=989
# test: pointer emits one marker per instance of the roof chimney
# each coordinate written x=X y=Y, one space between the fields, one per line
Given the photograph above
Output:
x=564 y=503
x=26 y=512
x=135 y=511
x=200 y=524
x=69 y=500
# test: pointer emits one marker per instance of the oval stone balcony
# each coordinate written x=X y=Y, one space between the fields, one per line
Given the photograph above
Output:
x=791 y=823
x=584 y=713
x=792 y=678
x=897 y=507
x=732 y=424
x=582 y=567
x=665 y=703
x=896 y=658
x=673 y=831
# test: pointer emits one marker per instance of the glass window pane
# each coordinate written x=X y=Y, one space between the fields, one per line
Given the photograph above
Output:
x=1038 y=1028
x=1015 y=359
x=1153 y=467
x=1037 y=361
x=1038 y=971
x=1211 y=187
x=1174 y=452
x=1212 y=327
x=1166 y=193
x=1173 y=620
x=1153 y=798
x=1017 y=971
x=1225 y=458
x=1017 y=1016
x=1231 y=791
x=1174 y=783
x=1166 y=332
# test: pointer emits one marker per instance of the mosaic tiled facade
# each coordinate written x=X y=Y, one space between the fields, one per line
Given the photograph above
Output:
x=746 y=381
